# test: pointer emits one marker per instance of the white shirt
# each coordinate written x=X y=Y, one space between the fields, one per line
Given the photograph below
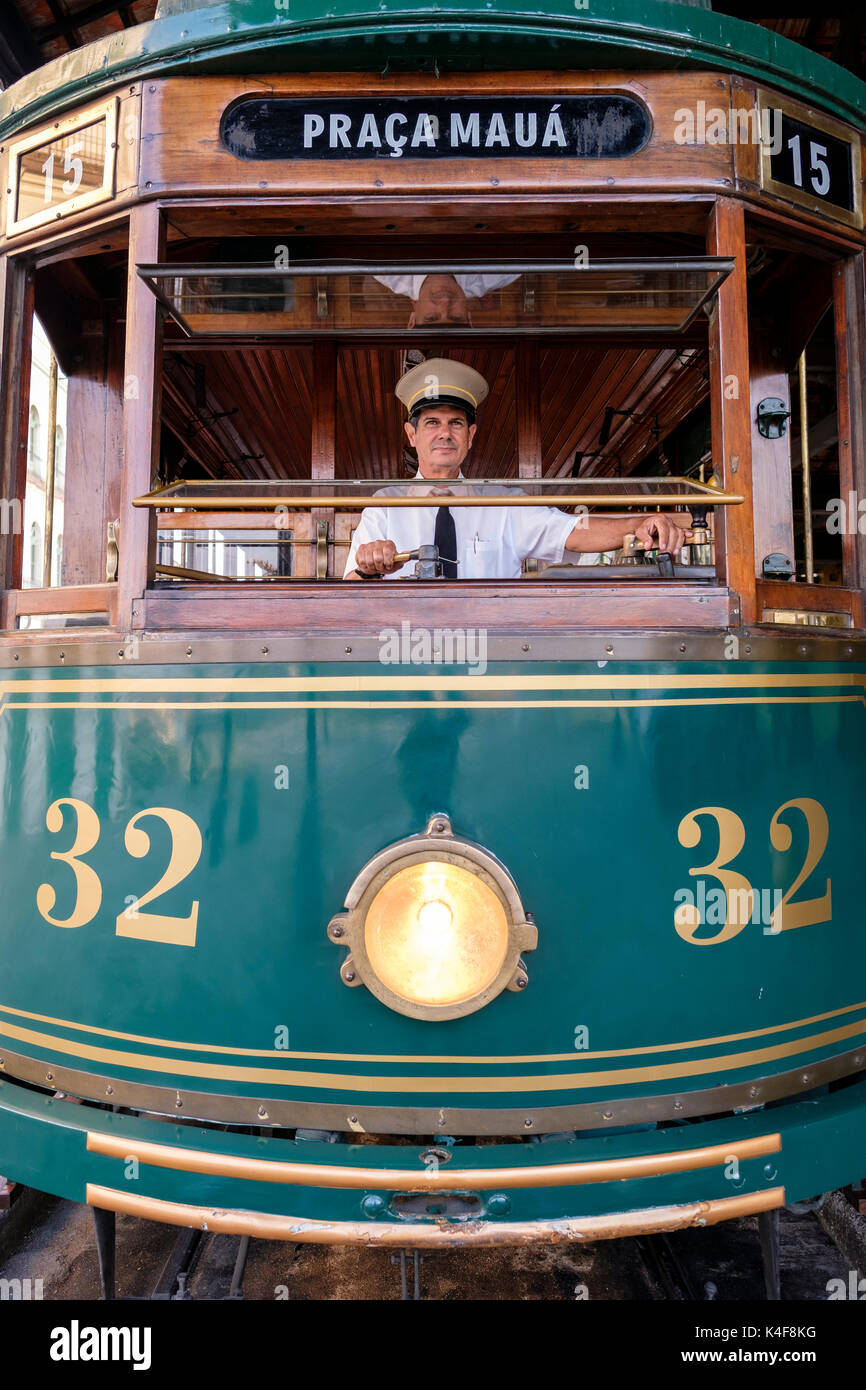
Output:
x=491 y=541
x=473 y=286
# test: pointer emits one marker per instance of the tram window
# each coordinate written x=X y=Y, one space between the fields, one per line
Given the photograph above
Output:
x=816 y=488
x=799 y=510
x=223 y=553
x=245 y=409
x=556 y=411
x=72 y=489
x=545 y=296
x=44 y=487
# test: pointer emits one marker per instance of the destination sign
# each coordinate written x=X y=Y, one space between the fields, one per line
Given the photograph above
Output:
x=355 y=128
x=816 y=165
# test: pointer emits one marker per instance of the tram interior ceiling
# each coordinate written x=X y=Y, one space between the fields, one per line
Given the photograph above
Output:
x=277 y=363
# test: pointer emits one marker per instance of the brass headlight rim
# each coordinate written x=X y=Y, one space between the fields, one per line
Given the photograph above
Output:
x=435 y=844
x=348 y=929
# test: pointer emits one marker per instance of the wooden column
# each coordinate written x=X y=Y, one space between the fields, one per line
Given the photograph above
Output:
x=771 y=458
x=141 y=409
x=16 y=294
x=528 y=390
x=323 y=446
x=849 y=315
x=730 y=402
x=94 y=447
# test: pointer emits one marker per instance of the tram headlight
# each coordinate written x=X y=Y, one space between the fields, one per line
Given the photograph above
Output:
x=434 y=926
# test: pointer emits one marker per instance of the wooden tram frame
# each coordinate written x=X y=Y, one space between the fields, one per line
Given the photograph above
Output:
x=714 y=191
x=715 y=188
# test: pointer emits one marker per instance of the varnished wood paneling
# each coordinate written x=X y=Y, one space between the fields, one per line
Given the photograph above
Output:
x=849 y=313
x=80 y=598
x=180 y=137
x=520 y=605
x=94 y=444
x=126 y=174
x=811 y=598
x=731 y=407
x=771 y=458
x=528 y=390
x=16 y=307
x=142 y=382
x=679 y=214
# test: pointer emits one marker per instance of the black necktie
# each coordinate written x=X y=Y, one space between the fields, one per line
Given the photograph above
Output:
x=445 y=539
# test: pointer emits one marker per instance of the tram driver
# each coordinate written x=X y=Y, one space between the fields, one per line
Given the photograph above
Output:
x=441 y=397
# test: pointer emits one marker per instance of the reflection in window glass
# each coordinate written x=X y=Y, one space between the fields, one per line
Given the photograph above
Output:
x=35 y=573
x=34 y=447
x=36 y=496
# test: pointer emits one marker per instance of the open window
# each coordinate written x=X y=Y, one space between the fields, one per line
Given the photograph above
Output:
x=279 y=414
x=276 y=419
x=67 y=391
x=800 y=341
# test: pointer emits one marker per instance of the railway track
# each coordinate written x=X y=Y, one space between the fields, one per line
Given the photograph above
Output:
x=159 y=1264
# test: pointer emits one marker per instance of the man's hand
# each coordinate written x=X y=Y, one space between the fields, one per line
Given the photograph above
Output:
x=377 y=557
x=660 y=530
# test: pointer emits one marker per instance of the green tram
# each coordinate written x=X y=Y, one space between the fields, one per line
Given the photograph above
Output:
x=435 y=911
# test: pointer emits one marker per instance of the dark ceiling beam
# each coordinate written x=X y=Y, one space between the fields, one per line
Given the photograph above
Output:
x=62 y=17
x=18 y=51
x=848 y=49
x=68 y=24
x=767 y=9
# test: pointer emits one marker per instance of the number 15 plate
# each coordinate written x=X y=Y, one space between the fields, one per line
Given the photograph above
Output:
x=59 y=171
x=809 y=159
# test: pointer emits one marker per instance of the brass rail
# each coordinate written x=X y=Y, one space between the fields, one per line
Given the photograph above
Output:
x=570 y=499
x=806 y=470
x=437 y=1234
x=428 y=1180
x=181 y=572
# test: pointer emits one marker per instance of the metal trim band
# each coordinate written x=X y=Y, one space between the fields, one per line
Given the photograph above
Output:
x=438 y=1234
x=392 y=1120
x=350 y=1082
x=428 y=1179
x=72 y=647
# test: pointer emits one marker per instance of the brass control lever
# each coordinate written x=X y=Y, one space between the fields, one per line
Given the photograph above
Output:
x=636 y=554
x=429 y=565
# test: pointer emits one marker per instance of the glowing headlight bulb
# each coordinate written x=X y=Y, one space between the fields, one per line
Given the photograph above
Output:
x=435 y=917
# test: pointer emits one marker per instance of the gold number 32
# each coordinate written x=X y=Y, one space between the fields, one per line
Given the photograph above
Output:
x=738 y=891
x=186 y=847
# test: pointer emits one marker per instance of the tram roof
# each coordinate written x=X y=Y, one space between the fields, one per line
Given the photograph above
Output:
x=417 y=35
